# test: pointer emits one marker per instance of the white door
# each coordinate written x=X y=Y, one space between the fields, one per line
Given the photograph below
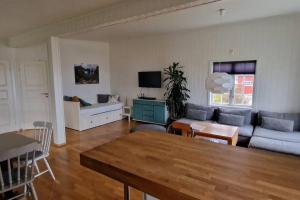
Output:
x=35 y=94
x=7 y=119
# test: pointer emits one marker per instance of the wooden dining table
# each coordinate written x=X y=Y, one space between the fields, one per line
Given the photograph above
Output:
x=171 y=167
x=13 y=140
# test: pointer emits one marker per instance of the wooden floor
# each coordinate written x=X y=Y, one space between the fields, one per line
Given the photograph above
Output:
x=77 y=182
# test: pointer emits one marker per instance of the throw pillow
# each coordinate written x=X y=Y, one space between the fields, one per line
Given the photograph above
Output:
x=114 y=99
x=75 y=99
x=229 y=119
x=242 y=112
x=278 y=124
x=196 y=114
x=67 y=98
x=84 y=103
x=103 y=98
x=209 y=110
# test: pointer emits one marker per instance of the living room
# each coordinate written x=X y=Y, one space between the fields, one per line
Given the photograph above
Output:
x=109 y=60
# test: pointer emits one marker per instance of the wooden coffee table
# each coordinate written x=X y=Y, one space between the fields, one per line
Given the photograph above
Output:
x=195 y=128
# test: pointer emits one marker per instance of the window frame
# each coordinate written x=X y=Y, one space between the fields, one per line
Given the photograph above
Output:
x=210 y=71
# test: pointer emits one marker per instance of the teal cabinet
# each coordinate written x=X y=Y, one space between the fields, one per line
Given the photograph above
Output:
x=152 y=111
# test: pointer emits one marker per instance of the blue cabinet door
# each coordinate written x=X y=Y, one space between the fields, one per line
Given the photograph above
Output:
x=137 y=111
x=159 y=114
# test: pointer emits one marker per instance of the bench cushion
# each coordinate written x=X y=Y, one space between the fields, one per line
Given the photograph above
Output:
x=277 y=135
x=246 y=130
x=100 y=108
x=275 y=145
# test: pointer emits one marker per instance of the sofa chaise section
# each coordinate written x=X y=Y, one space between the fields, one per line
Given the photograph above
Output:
x=277 y=140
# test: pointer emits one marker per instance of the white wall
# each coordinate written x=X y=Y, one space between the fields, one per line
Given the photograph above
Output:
x=274 y=42
x=77 y=52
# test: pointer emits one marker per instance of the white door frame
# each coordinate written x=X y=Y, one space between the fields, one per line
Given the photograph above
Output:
x=56 y=92
x=7 y=97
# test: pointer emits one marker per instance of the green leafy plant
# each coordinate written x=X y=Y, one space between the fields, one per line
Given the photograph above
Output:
x=176 y=90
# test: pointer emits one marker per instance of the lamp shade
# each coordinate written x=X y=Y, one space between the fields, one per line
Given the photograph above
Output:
x=219 y=83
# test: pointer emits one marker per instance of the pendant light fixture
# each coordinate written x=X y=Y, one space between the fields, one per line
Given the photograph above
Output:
x=219 y=82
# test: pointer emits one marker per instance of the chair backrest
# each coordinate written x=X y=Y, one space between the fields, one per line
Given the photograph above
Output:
x=16 y=167
x=43 y=134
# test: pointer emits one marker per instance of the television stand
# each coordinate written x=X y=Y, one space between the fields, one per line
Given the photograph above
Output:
x=148 y=98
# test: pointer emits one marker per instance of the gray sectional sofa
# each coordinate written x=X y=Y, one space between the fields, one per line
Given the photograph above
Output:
x=278 y=135
x=279 y=132
x=213 y=113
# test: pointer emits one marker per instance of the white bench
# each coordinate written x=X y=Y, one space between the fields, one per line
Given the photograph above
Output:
x=83 y=118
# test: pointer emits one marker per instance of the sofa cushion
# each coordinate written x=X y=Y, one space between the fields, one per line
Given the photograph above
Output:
x=275 y=145
x=246 y=130
x=277 y=135
x=196 y=114
x=277 y=124
x=288 y=116
x=234 y=111
x=229 y=119
x=103 y=98
x=209 y=110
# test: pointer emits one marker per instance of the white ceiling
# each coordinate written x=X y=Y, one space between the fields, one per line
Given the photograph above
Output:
x=192 y=18
x=18 y=16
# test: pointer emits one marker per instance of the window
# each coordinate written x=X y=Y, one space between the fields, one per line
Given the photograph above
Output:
x=243 y=73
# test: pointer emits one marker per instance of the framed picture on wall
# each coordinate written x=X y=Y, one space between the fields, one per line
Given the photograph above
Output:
x=86 y=74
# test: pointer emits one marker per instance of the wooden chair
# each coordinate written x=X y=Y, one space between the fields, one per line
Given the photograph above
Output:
x=43 y=134
x=16 y=172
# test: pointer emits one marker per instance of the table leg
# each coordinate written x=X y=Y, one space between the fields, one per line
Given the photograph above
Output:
x=233 y=141
x=144 y=196
x=126 y=192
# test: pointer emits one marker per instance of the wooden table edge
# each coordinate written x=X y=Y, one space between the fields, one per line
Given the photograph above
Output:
x=157 y=190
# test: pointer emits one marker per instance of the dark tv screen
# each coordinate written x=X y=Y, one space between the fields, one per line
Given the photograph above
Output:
x=150 y=79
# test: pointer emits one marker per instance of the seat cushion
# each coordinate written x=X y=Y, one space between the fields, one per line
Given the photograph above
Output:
x=246 y=130
x=243 y=112
x=275 y=145
x=277 y=135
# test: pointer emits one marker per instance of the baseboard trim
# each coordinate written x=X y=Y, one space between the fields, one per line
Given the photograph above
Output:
x=59 y=145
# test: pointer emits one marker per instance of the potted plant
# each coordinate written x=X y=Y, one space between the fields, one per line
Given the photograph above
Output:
x=176 y=90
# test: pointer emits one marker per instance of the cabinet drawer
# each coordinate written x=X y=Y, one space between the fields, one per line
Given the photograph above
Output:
x=147 y=108
x=159 y=103
x=142 y=102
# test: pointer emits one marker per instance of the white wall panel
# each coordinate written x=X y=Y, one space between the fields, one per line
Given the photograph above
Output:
x=274 y=42
x=87 y=52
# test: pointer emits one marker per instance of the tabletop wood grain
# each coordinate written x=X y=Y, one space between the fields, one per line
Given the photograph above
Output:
x=174 y=167
x=13 y=140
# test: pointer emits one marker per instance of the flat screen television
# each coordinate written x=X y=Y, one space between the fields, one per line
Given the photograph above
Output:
x=150 y=79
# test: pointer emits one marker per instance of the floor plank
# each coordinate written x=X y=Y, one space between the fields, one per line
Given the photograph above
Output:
x=75 y=181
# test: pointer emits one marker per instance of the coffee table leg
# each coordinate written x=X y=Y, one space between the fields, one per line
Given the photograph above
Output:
x=233 y=141
x=126 y=192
